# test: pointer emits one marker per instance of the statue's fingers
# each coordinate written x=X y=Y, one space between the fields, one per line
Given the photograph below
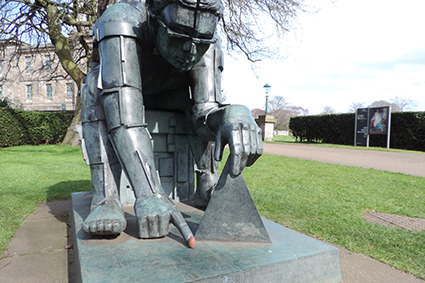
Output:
x=153 y=226
x=163 y=224
x=219 y=147
x=144 y=228
x=178 y=221
x=260 y=147
x=236 y=151
x=257 y=145
x=252 y=157
x=246 y=140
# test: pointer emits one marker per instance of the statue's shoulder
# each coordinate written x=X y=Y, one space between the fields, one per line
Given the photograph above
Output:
x=123 y=18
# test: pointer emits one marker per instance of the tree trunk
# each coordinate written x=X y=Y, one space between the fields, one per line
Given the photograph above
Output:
x=63 y=51
x=72 y=137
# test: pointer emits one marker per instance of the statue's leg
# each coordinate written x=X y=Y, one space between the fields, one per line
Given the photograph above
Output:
x=132 y=142
x=106 y=213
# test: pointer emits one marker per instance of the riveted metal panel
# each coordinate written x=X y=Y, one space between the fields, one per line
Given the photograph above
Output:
x=172 y=154
x=166 y=166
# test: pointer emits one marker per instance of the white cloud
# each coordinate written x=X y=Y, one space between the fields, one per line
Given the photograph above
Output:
x=350 y=51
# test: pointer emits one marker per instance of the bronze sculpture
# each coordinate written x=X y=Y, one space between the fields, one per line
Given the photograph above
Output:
x=162 y=54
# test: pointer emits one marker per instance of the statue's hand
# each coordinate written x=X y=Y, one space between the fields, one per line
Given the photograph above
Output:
x=154 y=214
x=236 y=127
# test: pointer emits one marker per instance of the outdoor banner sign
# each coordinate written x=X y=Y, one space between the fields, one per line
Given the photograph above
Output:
x=361 y=126
x=378 y=120
x=372 y=121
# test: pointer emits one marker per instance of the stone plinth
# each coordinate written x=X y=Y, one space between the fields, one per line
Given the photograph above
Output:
x=291 y=257
x=266 y=123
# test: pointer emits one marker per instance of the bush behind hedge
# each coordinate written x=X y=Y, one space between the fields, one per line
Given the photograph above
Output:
x=18 y=127
x=407 y=130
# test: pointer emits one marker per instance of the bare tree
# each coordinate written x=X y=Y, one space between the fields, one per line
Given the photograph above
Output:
x=66 y=24
x=354 y=106
x=402 y=104
x=380 y=103
x=283 y=111
x=398 y=104
x=328 y=110
x=244 y=24
x=63 y=23
x=256 y=112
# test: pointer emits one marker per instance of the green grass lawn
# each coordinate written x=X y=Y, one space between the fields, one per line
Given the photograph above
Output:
x=328 y=202
x=323 y=200
x=30 y=175
x=281 y=138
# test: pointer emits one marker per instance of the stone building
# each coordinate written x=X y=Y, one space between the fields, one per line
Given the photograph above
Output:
x=33 y=79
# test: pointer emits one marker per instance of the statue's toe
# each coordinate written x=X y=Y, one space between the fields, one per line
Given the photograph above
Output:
x=117 y=226
x=100 y=227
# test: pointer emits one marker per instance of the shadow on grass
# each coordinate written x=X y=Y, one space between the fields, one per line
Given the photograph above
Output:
x=63 y=190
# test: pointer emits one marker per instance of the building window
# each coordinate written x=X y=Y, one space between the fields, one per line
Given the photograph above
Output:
x=48 y=63
x=28 y=67
x=49 y=91
x=29 y=91
x=69 y=90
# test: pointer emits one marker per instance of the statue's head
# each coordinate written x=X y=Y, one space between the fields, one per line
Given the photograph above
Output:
x=184 y=29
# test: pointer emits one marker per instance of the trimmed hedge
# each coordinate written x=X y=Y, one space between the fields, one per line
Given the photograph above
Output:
x=18 y=127
x=407 y=130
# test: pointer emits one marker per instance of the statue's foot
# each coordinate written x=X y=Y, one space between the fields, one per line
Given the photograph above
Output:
x=106 y=219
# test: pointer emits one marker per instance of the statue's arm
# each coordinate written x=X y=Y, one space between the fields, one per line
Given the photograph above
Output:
x=224 y=124
x=206 y=90
x=118 y=34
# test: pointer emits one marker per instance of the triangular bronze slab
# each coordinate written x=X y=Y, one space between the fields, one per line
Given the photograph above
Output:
x=231 y=214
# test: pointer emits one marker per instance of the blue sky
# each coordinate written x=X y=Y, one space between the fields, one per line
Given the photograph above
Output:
x=349 y=51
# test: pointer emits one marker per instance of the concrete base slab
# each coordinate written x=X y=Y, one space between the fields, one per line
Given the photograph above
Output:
x=291 y=257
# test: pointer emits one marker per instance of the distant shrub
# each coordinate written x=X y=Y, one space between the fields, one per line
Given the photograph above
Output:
x=18 y=127
x=407 y=130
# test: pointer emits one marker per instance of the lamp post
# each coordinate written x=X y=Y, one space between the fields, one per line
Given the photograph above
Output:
x=267 y=88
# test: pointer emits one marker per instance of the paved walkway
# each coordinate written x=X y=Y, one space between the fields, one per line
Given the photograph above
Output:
x=406 y=163
x=41 y=250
